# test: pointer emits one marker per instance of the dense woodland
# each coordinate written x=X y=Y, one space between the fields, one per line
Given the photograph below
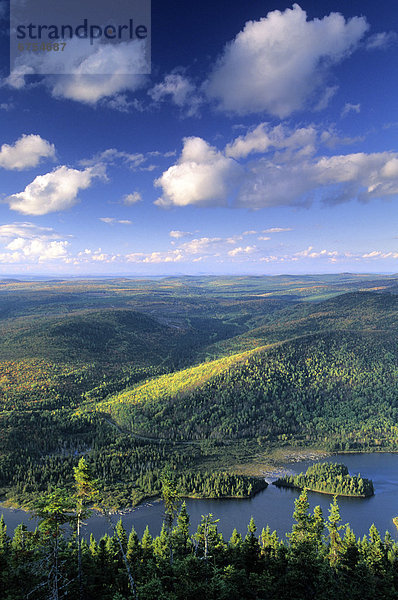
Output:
x=338 y=389
x=320 y=559
x=128 y=468
x=122 y=372
x=330 y=478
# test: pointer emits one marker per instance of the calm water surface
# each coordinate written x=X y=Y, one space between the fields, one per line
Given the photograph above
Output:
x=273 y=506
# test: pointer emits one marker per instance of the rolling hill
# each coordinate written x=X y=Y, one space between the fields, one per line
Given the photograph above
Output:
x=337 y=383
x=353 y=311
x=208 y=374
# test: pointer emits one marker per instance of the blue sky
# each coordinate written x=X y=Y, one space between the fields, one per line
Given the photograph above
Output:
x=264 y=141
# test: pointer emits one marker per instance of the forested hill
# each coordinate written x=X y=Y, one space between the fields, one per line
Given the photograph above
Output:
x=300 y=372
x=107 y=335
x=339 y=388
x=354 y=311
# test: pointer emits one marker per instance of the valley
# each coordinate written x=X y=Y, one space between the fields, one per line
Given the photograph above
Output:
x=219 y=378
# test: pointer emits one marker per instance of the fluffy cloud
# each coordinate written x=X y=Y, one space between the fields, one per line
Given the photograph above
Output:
x=268 y=184
x=180 y=90
x=291 y=172
x=174 y=85
x=86 y=73
x=377 y=254
x=203 y=245
x=257 y=140
x=362 y=176
x=96 y=256
x=196 y=250
x=27 y=152
x=27 y=231
x=336 y=179
x=133 y=198
x=26 y=242
x=155 y=257
x=331 y=138
x=202 y=176
x=277 y=63
x=175 y=233
x=39 y=249
x=311 y=253
x=263 y=138
x=240 y=250
x=53 y=191
x=89 y=89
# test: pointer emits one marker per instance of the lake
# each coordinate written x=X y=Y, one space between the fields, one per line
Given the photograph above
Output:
x=273 y=506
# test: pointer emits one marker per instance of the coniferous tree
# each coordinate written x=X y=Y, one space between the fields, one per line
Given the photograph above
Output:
x=171 y=498
x=86 y=492
x=54 y=510
x=251 y=548
x=133 y=552
x=181 y=539
x=334 y=528
x=4 y=555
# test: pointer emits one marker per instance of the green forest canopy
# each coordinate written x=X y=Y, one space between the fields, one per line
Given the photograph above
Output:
x=330 y=478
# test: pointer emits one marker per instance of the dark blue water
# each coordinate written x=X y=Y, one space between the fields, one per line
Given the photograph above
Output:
x=274 y=505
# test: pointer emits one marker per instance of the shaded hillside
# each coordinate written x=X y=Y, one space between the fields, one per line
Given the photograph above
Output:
x=339 y=388
x=356 y=311
x=108 y=336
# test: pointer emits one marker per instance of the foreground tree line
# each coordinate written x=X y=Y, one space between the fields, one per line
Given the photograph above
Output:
x=320 y=559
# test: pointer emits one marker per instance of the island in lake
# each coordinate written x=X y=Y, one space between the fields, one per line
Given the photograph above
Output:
x=329 y=478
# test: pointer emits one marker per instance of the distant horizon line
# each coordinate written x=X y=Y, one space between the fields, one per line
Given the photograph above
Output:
x=47 y=276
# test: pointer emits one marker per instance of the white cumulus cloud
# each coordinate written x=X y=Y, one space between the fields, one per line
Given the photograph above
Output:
x=264 y=137
x=278 y=63
x=53 y=191
x=290 y=172
x=42 y=250
x=241 y=250
x=202 y=176
x=26 y=242
x=27 y=152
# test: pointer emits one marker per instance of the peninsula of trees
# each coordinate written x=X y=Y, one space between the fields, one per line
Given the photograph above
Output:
x=329 y=478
